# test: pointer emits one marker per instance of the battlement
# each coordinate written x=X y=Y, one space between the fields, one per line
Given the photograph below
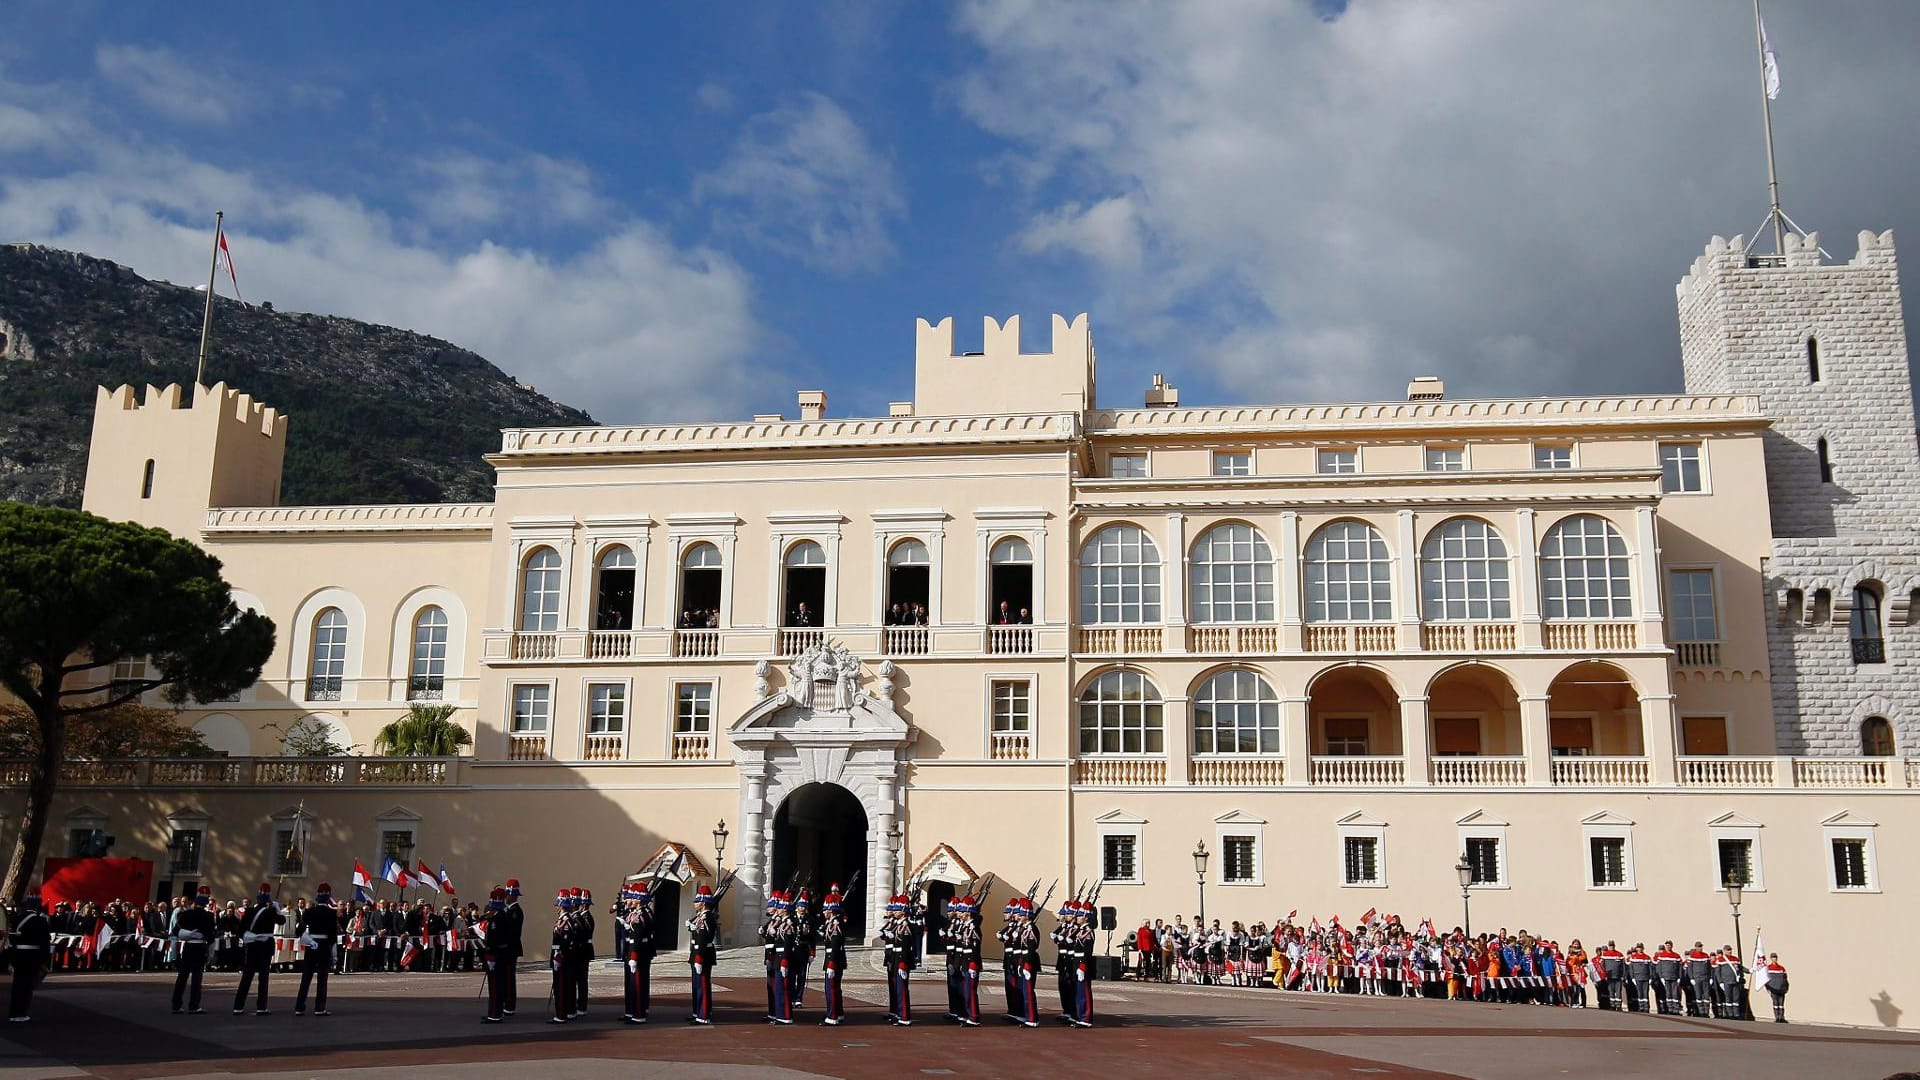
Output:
x=1800 y=253
x=162 y=460
x=235 y=405
x=1000 y=378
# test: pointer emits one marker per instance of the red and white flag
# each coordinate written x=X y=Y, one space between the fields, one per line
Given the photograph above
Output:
x=425 y=878
x=407 y=954
x=362 y=884
x=225 y=255
x=102 y=938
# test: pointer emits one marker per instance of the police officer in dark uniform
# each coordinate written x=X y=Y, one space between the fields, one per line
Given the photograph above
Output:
x=516 y=947
x=195 y=929
x=29 y=950
x=319 y=932
x=497 y=948
x=257 y=929
x=637 y=942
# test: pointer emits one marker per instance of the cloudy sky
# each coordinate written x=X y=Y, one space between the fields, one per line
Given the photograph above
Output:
x=689 y=211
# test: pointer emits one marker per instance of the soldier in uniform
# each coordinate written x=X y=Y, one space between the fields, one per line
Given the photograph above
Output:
x=1640 y=978
x=949 y=915
x=832 y=939
x=636 y=922
x=194 y=929
x=496 y=952
x=963 y=951
x=801 y=956
x=1726 y=984
x=1666 y=975
x=319 y=930
x=776 y=943
x=702 y=931
x=1022 y=962
x=29 y=949
x=1774 y=978
x=896 y=934
x=1613 y=969
x=1080 y=936
x=516 y=924
x=1698 y=967
x=257 y=930
x=1064 y=964
x=559 y=955
x=582 y=958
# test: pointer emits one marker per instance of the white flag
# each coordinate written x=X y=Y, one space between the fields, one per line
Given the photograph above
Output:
x=1759 y=959
x=1770 y=62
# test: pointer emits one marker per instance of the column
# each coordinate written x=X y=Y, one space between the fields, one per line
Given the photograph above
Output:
x=880 y=542
x=776 y=585
x=830 y=608
x=1652 y=624
x=1289 y=570
x=1526 y=578
x=983 y=584
x=1174 y=580
x=1536 y=739
x=727 y=548
x=1296 y=740
x=885 y=876
x=1414 y=742
x=1039 y=545
x=750 y=863
x=937 y=573
x=1178 y=716
x=1656 y=737
x=1408 y=599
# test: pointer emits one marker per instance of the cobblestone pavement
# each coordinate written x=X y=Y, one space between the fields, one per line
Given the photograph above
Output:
x=115 y=1026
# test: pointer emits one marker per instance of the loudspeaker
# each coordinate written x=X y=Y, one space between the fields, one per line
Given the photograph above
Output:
x=1108 y=968
x=1109 y=918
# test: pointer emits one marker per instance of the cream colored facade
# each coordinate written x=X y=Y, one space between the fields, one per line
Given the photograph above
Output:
x=1339 y=645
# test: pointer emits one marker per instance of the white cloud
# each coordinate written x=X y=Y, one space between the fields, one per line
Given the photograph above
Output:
x=804 y=181
x=170 y=85
x=465 y=189
x=1108 y=232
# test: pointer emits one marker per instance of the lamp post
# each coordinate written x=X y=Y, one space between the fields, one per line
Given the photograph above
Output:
x=1733 y=901
x=1465 y=870
x=1200 y=876
x=719 y=847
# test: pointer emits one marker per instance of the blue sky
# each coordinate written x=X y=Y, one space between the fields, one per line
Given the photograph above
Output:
x=677 y=211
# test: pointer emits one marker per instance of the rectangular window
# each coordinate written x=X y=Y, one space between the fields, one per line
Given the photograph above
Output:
x=1119 y=857
x=1127 y=466
x=1012 y=705
x=532 y=708
x=1233 y=463
x=396 y=844
x=693 y=708
x=1446 y=459
x=287 y=857
x=1553 y=455
x=1607 y=857
x=1850 y=864
x=1690 y=605
x=1736 y=861
x=183 y=852
x=1570 y=736
x=1456 y=736
x=1361 y=857
x=1338 y=461
x=1346 y=736
x=127 y=671
x=1237 y=855
x=1703 y=736
x=606 y=708
x=1483 y=855
x=1680 y=468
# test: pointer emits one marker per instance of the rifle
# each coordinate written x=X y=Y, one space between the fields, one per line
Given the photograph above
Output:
x=986 y=886
x=1034 y=888
x=1043 y=903
x=726 y=883
x=853 y=884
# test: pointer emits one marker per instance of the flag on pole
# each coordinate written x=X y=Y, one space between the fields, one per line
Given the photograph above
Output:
x=226 y=256
x=362 y=884
x=1768 y=61
x=1759 y=958
x=446 y=883
x=425 y=878
x=396 y=874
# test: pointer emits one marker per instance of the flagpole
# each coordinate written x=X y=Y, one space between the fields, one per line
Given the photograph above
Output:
x=1766 y=113
x=206 y=320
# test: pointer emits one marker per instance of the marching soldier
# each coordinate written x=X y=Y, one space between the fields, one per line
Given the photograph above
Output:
x=801 y=956
x=319 y=931
x=1775 y=977
x=1666 y=974
x=29 y=948
x=1613 y=970
x=896 y=933
x=776 y=939
x=1021 y=961
x=963 y=951
x=582 y=957
x=257 y=931
x=497 y=953
x=702 y=931
x=637 y=922
x=194 y=929
x=516 y=946
x=559 y=956
x=1080 y=936
x=1639 y=978
x=832 y=939
x=1064 y=965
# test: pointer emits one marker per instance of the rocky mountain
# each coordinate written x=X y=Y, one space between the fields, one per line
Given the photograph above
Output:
x=377 y=414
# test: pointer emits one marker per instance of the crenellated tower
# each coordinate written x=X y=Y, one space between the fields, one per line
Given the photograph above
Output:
x=160 y=461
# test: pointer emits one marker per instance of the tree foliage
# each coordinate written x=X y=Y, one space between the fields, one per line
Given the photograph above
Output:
x=310 y=736
x=124 y=731
x=426 y=731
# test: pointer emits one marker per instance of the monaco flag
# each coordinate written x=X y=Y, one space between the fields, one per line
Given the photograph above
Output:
x=395 y=873
x=362 y=884
x=425 y=878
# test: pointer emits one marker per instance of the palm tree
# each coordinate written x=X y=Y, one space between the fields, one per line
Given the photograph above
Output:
x=426 y=731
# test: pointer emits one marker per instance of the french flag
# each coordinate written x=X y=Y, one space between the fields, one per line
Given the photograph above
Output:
x=446 y=883
x=396 y=874
x=362 y=884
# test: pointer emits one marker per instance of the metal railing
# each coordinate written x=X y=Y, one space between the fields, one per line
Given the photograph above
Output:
x=1869 y=650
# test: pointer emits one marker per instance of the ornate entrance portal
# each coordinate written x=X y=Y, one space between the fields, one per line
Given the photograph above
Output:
x=820 y=764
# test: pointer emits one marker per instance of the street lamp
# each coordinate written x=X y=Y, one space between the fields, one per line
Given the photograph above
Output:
x=719 y=846
x=1465 y=870
x=1200 y=876
x=1733 y=901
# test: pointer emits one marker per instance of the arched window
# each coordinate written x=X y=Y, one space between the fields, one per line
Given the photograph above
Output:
x=1876 y=737
x=1120 y=713
x=1813 y=359
x=427 y=680
x=540 y=591
x=1584 y=570
x=1864 y=626
x=613 y=602
x=1231 y=572
x=1349 y=575
x=1236 y=712
x=1463 y=572
x=1120 y=577
x=1009 y=579
x=1826 y=461
x=806 y=584
x=909 y=582
x=700 y=581
x=327 y=667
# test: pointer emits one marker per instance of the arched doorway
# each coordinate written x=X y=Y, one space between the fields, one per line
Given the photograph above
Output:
x=820 y=838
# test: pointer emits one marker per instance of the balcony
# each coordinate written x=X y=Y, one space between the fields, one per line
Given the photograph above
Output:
x=304 y=772
x=1352 y=637
x=696 y=644
x=1473 y=637
x=320 y=690
x=1613 y=635
x=692 y=746
x=1009 y=640
x=1725 y=772
x=1249 y=640
x=1236 y=770
x=240 y=772
x=1119 y=771
x=610 y=644
x=1358 y=771
x=904 y=640
x=1601 y=771
x=1010 y=746
x=1120 y=640
x=795 y=642
x=1477 y=771
x=534 y=645
x=604 y=746
x=1840 y=772
x=530 y=746
x=1700 y=654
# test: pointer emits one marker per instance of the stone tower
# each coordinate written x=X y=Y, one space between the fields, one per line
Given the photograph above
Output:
x=162 y=462
x=1824 y=347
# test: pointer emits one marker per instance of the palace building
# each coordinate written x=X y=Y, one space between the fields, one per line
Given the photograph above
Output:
x=1605 y=652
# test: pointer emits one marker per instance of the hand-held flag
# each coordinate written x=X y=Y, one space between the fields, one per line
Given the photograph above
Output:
x=396 y=874
x=446 y=883
x=425 y=878
x=362 y=884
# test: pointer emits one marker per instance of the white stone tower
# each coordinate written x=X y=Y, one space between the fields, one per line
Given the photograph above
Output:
x=1824 y=347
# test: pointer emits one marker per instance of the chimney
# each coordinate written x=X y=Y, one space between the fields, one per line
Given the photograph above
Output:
x=899 y=408
x=813 y=404
x=1160 y=395
x=1426 y=388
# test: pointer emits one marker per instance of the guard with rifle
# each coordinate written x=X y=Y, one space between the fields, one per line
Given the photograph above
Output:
x=1080 y=935
x=963 y=956
x=516 y=923
x=497 y=953
x=1021 y=959
x=581 y=961
x=703 y=933
x=896 y=934
x=562 y=948
x=1064 y=964
x=800 y=958
x=832 y=938
x=776 y=943
x=636 y=920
